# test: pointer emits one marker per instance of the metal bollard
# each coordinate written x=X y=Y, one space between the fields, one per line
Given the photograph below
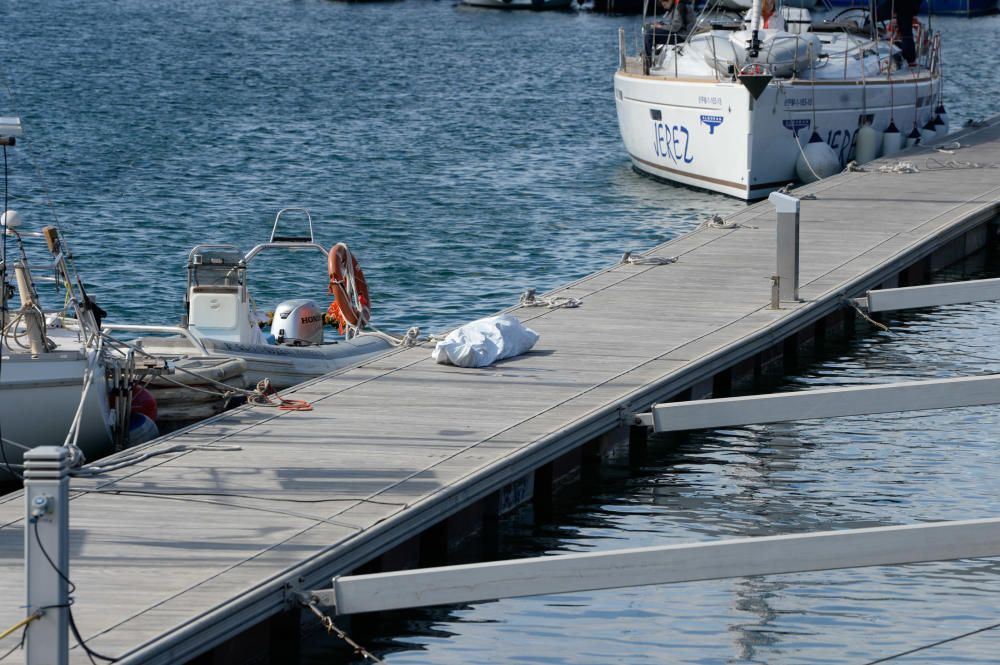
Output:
x=46 y=547
x=787 y=245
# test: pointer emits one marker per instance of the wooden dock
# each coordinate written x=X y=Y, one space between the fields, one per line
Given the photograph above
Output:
x=178 y=555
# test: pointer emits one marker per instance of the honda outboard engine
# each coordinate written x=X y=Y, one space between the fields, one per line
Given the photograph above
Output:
x=297 y=323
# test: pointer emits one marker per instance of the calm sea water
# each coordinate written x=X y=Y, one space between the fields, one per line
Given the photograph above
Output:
x=466 y=155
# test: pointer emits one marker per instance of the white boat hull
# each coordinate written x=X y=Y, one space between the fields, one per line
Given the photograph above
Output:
x=713 y=135
x=283 y=365
x=39 y=397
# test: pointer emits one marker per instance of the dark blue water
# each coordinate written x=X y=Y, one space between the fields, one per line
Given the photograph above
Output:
x=466 y=155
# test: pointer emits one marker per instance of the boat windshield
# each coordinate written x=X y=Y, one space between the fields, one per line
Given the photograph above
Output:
x=217 y=267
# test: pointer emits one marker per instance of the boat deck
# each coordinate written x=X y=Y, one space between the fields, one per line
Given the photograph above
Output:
x=182 y=552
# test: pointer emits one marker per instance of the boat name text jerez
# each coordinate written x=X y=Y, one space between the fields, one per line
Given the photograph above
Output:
x=673 y=142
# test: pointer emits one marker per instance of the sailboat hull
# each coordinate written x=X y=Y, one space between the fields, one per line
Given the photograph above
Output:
x=39 y=397
x=713 y=135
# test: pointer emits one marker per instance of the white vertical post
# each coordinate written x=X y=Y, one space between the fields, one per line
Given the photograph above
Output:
x=46 y=545
x=787 y=245
x=621 y=49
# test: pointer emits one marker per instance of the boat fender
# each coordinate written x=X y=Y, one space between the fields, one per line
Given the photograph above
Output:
x=940 y=126
x=941 y=119
x=892 y=140
x=10 y=219
x=143 y=402
x=867 y=144
x=191 y=393
x=928 y=133
x=203 y=370
x=816 y=160
x=913 y=138
x=141 y=429
x=351 y=304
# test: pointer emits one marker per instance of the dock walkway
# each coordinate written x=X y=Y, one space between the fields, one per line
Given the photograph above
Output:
x=178 y=554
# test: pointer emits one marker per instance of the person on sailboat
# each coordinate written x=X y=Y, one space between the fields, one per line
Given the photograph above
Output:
x=769 y=17
x=903 y=11
x=672 y=26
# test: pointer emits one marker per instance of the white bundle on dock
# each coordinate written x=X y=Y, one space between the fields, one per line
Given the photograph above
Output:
x=485 y=341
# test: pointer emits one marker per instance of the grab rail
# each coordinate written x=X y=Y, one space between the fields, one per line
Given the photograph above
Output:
x=183 y=332
x=852 y=48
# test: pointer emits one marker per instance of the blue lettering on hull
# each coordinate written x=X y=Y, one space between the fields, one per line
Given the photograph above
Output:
x=673 y=141
x=842 y=141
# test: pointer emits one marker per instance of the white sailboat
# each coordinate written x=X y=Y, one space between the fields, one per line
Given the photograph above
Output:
x=54 y=382
x=734 y=108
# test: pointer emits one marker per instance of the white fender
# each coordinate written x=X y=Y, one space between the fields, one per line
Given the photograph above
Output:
x=868 y=144
x=892 y=140
x=817 y=160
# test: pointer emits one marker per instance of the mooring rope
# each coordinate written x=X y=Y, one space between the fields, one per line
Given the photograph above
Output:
x=865 y=316
x=95 y=469
x=627 y=258
x=332 y=628
x=529 y=299
x=717 y=222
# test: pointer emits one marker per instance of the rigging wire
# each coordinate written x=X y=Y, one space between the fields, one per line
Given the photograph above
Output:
x=91 y=654
x=3 y=311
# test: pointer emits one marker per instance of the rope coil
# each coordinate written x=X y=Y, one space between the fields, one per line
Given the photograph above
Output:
x=529 y=299
x=266 y=395
x=717 y=222
x=627 y=258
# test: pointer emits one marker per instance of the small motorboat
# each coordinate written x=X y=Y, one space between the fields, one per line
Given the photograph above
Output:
x=222 y=320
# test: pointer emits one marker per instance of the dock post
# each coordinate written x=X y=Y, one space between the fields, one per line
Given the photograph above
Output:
x=46 y=554
x=787 y=208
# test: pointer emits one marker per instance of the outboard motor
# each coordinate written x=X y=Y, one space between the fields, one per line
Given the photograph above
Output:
x=297 y=323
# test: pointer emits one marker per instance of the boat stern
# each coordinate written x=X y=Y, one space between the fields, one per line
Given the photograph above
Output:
x=689 y=131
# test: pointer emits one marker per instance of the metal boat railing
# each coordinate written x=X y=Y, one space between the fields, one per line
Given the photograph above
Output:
x=63 y=274
x=170 y=330
x=855 y=49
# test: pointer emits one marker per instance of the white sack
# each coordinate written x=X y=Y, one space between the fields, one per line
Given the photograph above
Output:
x=483 y=342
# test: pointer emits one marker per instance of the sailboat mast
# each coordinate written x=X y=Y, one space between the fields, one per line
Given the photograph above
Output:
x=9 y=129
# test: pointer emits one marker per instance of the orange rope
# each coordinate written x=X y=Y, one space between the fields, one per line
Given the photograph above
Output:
x=294 y=405
x=271 y=397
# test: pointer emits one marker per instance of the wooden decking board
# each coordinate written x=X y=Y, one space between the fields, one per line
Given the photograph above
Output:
x=401 y=442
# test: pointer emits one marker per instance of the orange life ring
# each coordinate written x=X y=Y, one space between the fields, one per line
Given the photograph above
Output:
x=345 y=309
